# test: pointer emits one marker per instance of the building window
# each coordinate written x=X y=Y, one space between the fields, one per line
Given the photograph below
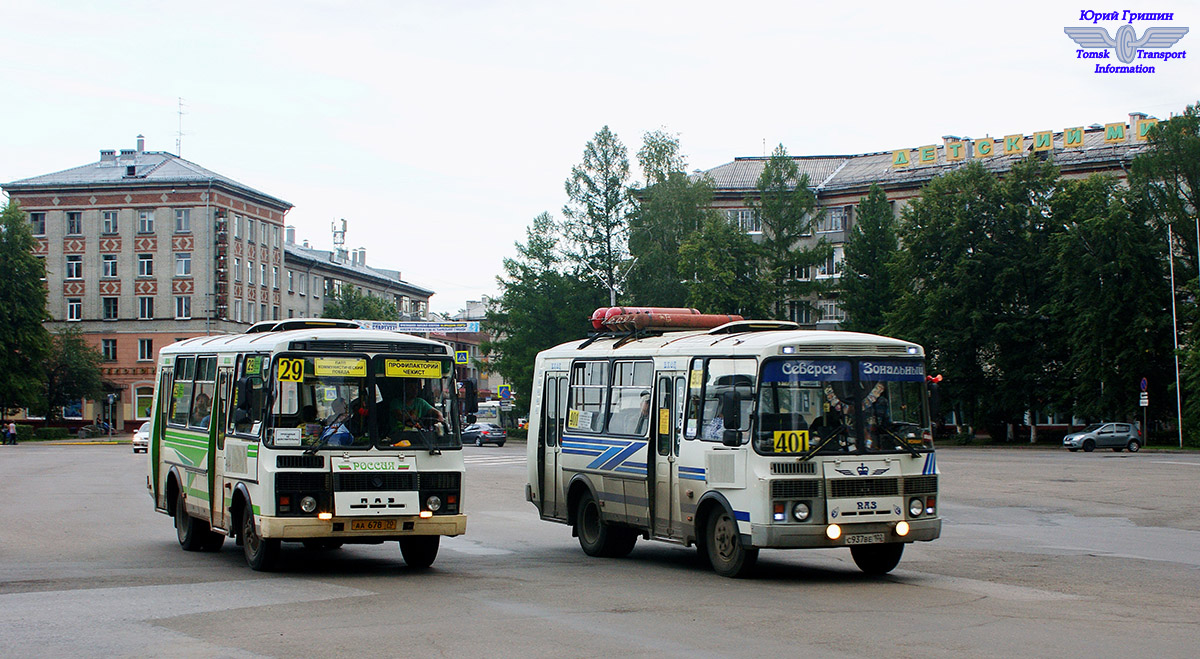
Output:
x=74 y=223
x=265 y=229
x=108 y=348
x=108 y=265
x=799 y=312
x=183 y=307
x=274 y=236
x=832 y=266
x=250 y=312
x=183 y=264
x=183 y=220
x=291 y=281
x=145 y=350
x=263 y=279
x=291 y=313
x=304 y=284
x=145 y=221
x=800 y=273
x=74 y=308
x=110 y=307
x=145 y=308
x=262 y=312
x=830 y=311
x=237 y=269
x=74 y=267
x=746 y=219
x=275 y=277
x=249 y=273
x=144 y=402
x=833 y=220
x=108 y=222
x=37 y=222
x=249 y=230
x=274 y=313
x=145 y=265
x=237 y=226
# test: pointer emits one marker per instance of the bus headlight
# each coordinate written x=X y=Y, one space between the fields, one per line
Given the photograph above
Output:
x=833 y=531
x=434 y=502
x=915 y=507
x=801 y=511
x=308 y=504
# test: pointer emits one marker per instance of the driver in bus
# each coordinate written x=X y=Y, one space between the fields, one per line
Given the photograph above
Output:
x=410 y=410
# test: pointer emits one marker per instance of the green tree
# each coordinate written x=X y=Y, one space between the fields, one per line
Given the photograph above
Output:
x=672 y=208
x=787 y=209
x=719 y=263
x=596 y=217
x=1110 y=300
x=868 y=286
x=350 y=304
x=542 y=303
x=72 y=373
x=22 y=310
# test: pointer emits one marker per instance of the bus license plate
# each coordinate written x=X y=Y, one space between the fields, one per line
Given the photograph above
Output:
x=864 y=539
x=381 y=525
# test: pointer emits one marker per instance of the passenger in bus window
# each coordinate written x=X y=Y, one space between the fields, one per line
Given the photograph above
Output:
x=643 y=415
x=201 y=410
x=336 y=432
x=309 y=428
x=715 y=427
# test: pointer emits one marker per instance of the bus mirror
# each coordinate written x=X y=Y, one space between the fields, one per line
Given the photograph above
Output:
x=731 y=409
x=731 y=437
x=470 y=398
x=243 y=394
x=470 y=418
x=935 y=403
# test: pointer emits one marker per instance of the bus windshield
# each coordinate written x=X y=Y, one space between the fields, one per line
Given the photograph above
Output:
x=359 y=402
x=841 y=406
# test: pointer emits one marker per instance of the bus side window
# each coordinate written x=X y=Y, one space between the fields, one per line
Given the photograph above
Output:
x=181 y=391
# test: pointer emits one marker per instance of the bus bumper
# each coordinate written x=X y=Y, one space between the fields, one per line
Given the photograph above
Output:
x=783 y=536
x=300 y=528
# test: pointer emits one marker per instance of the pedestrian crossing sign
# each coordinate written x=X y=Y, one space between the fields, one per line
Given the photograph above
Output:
x=461 y=357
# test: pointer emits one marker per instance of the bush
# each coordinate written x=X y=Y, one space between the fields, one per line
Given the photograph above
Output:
x=51 y=433
x=24 y=433
x=518 y=433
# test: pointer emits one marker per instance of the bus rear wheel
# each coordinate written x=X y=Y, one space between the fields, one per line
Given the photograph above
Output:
x=726 y=553
x=419 y=551
x=194 y=534
x=877 y=560
x=261 y=553
x=597 y=537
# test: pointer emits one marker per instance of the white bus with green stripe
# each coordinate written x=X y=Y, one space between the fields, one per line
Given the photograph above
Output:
x=733 y=436
x=308 y=431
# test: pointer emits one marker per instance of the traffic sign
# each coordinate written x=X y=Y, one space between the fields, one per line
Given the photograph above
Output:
x=462 y=357
x=504 y=391
x=1144 y=400
x=1145 y=384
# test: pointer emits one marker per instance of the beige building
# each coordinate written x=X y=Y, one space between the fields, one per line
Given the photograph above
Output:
x=840 y=182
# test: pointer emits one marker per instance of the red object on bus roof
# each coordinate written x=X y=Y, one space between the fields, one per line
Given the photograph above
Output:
x=601 y=315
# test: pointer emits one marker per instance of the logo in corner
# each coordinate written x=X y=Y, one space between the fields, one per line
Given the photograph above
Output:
x=1154 y=44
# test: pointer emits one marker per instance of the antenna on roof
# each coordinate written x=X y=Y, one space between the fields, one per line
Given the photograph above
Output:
x=179 y=133
x=339 y=240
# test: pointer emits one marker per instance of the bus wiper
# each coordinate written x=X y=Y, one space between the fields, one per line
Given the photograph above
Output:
x=322 y=443
x=901 y=443
x=825 y=441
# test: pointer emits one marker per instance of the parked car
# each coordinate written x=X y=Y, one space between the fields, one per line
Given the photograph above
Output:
x=1117 y=436
x=141 y=438
x=484 y=433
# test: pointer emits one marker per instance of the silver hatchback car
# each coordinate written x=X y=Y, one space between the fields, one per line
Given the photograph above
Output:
x=1117 y=436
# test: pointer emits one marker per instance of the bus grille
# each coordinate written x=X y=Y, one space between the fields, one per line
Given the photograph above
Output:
x=440 y=480
x=300 y=461
x=920 y=485
x=369 y=482
x=845 y=488
x=806 y=489
x=793 y=468
x=291 y=481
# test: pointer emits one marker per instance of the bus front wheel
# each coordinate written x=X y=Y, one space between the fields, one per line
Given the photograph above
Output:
x=261 y=553
x=419 y=551
x=726 y=553
x=877 y=560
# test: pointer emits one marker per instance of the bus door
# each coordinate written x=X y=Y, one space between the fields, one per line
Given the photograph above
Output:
x=554 y=395
x=668 y=396
x=222 y=490
x=158 y=427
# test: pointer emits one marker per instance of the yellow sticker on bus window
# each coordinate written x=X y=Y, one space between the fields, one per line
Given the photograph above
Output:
x=696 y=379
x=411 y=368
x=253 y=365
x=291 y=370
x=346 y=367
x=572 y=418
x=791 y=441
x=664 y=421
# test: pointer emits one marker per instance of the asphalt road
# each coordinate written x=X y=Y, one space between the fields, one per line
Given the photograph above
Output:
x=1043 y=553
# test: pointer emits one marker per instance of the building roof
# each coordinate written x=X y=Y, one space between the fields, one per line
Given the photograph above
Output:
x=294 y=253
x=833 y=174
x=157 y=168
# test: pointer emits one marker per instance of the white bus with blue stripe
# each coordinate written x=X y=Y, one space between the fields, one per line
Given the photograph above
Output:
x=735 y=438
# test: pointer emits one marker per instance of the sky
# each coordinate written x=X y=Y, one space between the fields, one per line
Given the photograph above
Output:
x=438 y=130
